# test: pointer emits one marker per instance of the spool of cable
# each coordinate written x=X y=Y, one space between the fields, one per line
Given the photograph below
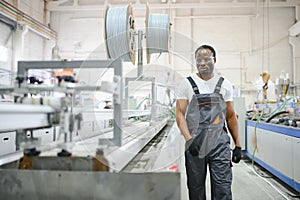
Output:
x=118 y=34
x=157 y=33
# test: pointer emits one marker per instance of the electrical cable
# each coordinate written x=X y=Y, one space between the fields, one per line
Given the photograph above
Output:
x=118 y=32
x=157 y=33
x=264 y=179
x=276 y=114
x=294 y=196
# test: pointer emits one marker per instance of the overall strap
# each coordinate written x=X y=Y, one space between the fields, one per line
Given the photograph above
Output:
x=194 y=86
x=218 y=86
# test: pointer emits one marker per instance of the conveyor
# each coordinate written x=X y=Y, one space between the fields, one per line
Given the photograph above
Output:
x=37 y=184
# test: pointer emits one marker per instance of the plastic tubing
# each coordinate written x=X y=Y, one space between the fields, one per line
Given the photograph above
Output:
x=276 y=114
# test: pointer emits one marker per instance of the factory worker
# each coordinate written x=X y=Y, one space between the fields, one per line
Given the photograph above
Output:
x=204 y=103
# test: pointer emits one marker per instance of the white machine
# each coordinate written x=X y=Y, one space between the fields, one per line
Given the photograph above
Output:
x=60 y=150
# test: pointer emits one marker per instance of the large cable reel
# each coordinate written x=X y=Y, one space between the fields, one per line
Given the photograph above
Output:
x=157 y=33
x=119 y=33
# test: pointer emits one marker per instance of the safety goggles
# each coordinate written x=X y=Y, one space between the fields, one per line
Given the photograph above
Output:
x=205 y=60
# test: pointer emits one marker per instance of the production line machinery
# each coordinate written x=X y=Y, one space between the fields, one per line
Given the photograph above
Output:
x=272 y=139
x=87 y=150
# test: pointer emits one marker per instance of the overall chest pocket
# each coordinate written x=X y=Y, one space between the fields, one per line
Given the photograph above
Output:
x=210 y=110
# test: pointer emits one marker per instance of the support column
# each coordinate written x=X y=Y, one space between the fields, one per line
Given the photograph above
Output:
x=50 y=50
x=154 y=109
x=140 y=55
x=126 y=93
x=18 y=46
x=295 y=43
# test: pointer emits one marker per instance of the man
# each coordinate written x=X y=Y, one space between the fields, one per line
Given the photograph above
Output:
x=204 y=103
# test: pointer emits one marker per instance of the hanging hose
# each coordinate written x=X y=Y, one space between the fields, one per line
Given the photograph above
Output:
x=145 y=99
x=276 y=114
x=279 y=110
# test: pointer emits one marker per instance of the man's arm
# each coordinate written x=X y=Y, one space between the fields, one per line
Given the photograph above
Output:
x=232 y=123
x=181 y=105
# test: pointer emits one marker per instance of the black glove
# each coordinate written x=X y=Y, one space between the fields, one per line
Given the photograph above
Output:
x=193 y=147
x=236 y=154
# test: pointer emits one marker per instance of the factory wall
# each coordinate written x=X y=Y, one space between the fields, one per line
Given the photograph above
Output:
x=33 y=8
x=24 y=43
x=247 y=44
x=79 y=38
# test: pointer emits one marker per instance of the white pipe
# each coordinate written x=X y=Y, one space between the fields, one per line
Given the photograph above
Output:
x=75 y=3
x=18 y=47
x=192 y=36
x=292 y=43
x=214 y=16
x=24 y=108
x=257 y=2
x=57 y=7
x=297 y=13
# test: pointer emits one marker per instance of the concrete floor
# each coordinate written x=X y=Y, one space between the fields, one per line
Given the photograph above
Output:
x=247 y=185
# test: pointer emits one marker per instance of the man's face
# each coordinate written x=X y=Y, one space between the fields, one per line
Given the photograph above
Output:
x=205 y=62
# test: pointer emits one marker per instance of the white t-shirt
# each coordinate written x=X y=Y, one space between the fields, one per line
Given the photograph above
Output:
x=185 y=90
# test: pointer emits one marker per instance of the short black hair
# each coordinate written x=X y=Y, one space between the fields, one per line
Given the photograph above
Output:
x=205 y=46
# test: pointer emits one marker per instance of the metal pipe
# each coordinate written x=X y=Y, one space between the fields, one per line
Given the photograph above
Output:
x=118 y=108
x=24 y=66
x=294 y=69
x=214 y=16
x=153 y=106
x=54 y=6
x=126 y=93
x=31 y=22
x=140 y=54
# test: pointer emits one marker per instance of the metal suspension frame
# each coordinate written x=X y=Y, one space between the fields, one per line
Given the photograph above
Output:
x=117 y=65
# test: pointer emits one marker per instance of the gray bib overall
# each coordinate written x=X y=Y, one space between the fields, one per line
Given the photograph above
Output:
x=206 y=117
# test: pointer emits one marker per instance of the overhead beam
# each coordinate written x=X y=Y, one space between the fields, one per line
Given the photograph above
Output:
x=55 y=7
